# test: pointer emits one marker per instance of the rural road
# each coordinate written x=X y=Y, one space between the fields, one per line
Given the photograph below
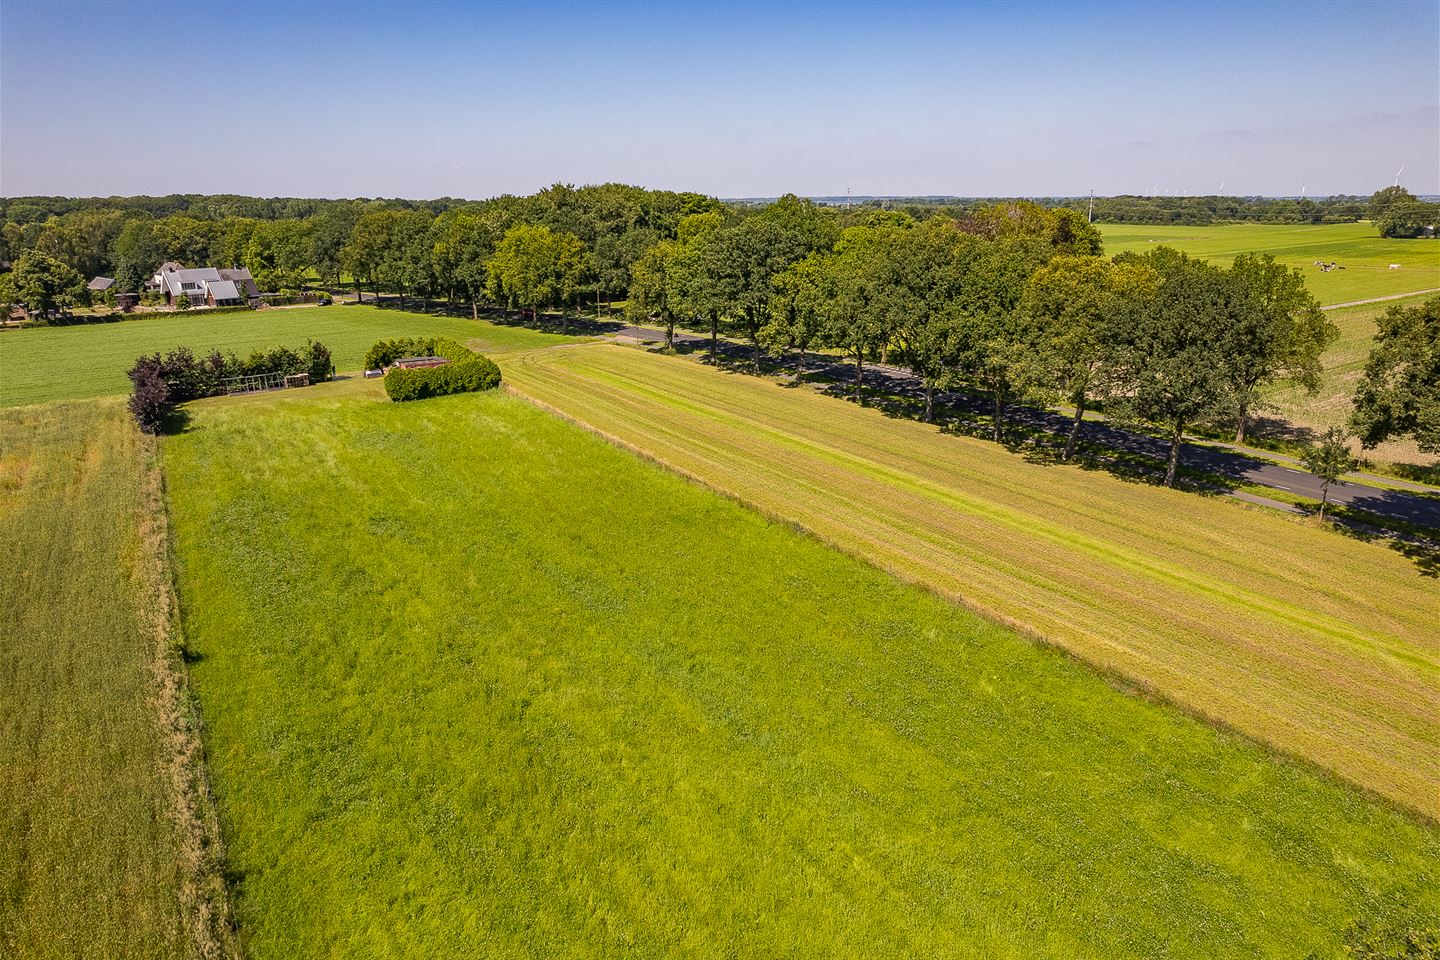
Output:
x=1393 y=296
x=1395 y=504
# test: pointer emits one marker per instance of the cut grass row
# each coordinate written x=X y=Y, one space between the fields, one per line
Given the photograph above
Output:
x=68 y=363
x=1365 y=255
x=472 y=675
x=1324 y=647
x=95 y=856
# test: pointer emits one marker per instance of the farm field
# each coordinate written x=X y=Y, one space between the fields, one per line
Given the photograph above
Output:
x=1344 y=364
x=1323 y=646
x=90 y=360
x=1364 y=254
x=91 y=862
x=472 y=675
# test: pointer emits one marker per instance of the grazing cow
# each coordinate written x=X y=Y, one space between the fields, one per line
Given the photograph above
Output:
x=1394 y=266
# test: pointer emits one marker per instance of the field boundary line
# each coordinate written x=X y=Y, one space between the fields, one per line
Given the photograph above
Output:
x=205 y=895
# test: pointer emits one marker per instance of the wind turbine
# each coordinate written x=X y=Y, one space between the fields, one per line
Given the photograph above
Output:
x=1302 y=191
x=1221 y=191
x=1397 y=174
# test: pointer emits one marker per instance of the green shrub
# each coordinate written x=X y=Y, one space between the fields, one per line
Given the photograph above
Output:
x=466 y=372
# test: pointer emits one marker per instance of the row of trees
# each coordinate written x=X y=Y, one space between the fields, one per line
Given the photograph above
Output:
x=1015 y=302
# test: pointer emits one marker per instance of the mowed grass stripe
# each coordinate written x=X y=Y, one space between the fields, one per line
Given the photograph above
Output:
x=473 y=676
x=1351 y=687
x=1028 y=522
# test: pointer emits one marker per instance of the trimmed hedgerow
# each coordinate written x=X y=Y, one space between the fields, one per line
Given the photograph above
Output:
x=466 y=372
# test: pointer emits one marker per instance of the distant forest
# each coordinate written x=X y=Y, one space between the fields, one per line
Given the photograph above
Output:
x=440 y=246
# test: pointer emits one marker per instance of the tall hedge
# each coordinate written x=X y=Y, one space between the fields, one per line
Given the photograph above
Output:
x=163 y=380
x=466 y=372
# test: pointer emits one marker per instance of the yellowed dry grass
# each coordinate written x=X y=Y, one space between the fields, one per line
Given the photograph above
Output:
x=1322 y=646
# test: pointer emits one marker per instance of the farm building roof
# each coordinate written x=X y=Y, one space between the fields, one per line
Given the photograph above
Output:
x=242 y=279
x=224 y=290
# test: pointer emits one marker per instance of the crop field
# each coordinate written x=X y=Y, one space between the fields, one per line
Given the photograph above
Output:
x=90 y=859
x=472 y=675
x=1323 y=646
x=1356 y=246
x=90 y=360
x=1344 y=364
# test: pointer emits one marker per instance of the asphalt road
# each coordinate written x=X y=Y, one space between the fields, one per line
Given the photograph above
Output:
x=1235 y=467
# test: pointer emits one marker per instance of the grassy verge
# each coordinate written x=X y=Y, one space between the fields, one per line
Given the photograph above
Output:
x=63 y=363
x=473 y=676
x=1325 y=647
x=106 y=846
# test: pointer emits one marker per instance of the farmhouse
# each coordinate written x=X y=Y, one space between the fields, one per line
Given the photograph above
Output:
x=217 y=287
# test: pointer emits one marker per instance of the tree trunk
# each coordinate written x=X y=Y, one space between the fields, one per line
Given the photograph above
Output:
x=359 y=293
x=1324 y=498
x=997 y=429
x=859 y=373
x=1074 y=429
x=565 y=321
x=669 y=333
x=1174 y=453
x=714 y=338
x=800 y=365
x=755 y=350
x=1241 y=423
x=929 y=401
x=474 y=310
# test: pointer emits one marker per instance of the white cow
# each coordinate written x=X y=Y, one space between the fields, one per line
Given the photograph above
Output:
x=1394 y=266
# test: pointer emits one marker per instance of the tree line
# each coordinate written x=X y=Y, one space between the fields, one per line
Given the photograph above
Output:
x=1013 y=298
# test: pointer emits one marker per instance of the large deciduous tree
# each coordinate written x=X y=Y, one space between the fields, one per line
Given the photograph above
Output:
x=44 y=284
x=1399 y=395
x=1170 y=364
x=1279 y=334
x=1074 y=303
x=534 y=267
x=993 y=335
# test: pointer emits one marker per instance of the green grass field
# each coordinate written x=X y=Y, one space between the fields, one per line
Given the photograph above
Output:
x=1324 y=646
x=68 y=363
x=1365 y=256
x=91 y=859
x=473 y=676
x=1344 y=364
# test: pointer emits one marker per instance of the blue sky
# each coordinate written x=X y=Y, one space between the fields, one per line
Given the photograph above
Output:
x=472 y=99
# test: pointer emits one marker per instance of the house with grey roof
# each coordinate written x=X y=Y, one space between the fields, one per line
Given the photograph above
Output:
x=207 y=285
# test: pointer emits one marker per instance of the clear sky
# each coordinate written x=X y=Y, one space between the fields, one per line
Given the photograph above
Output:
x=427 y=99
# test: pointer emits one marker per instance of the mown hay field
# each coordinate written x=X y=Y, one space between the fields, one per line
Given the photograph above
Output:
x=90 y=360
x=92 y=862
x=1325 y=647
x=473 y=676
x=1357 y=246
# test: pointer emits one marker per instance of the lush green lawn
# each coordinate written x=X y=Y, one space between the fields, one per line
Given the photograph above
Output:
x=1356 y=246
x=1322 y=645
x=472 y=676
x=91 y=861
x=65 y=363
